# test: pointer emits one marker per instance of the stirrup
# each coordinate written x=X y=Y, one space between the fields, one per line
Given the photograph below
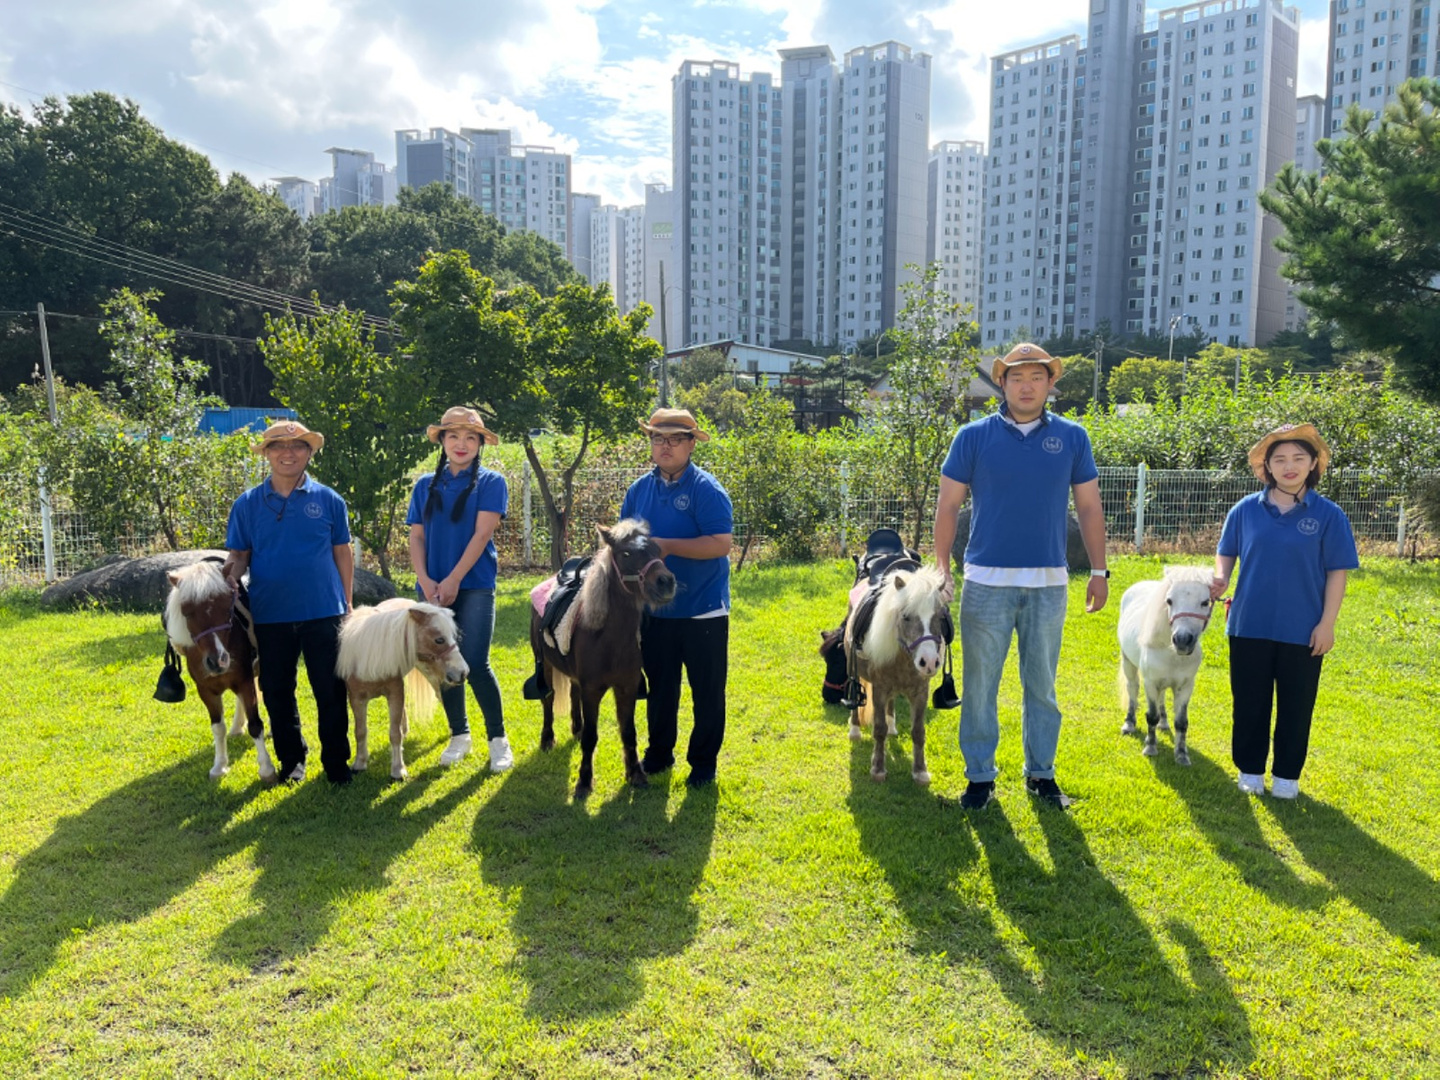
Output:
x=944 y=696
x=535 y=688
x=854 y=697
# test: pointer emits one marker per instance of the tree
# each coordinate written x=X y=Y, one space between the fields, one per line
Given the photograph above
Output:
x=1364 y=241
x=720 y=401
x=700 y=367
x=1076 y=386
x=369 y=406
x=1144 y=378
x=358 y=253
x=526 y=258
x=934 y=358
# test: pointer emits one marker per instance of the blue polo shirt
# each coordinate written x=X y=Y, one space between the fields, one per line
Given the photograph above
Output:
x=694 y=505
x=1019 y=487
x=293 y=576
x=1280 y=594
x=445 y=540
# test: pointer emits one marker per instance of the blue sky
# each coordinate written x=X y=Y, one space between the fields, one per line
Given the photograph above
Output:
x=265 y=86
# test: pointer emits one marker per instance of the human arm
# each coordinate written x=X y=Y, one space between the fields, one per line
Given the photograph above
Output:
x=1090 y=512
x=712 y=546
x=345 y=563
x=418 y=563
x=1322 y=638
x=486 y=522
x=1224 y=567
x=947 y=509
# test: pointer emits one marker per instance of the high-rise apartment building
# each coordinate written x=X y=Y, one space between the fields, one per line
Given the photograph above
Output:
x=435 y=156
x=1376 y=47
x=527 y=187
x=662 y=291
x=356 y=179
x=299 y=194
x=617 y=245
x=956 y=214
x=1124 y=172
x=582 y=207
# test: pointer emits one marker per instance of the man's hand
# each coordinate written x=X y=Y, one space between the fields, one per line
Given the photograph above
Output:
x=1096 y=593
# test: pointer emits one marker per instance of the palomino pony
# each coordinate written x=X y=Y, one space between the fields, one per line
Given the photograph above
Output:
x=1160 y=627
x=902 y=650
x=627 y=575
x=202 y=622
x=397 y=649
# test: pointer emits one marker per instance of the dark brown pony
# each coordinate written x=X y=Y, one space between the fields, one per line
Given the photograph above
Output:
x=202 y=623
x=627 y=575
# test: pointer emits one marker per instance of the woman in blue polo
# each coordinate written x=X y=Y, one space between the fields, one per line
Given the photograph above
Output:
x=692 y=520
x=1295 y=547
x=453 y=515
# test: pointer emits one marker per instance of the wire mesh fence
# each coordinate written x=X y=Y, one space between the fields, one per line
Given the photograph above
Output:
x=1145 y=510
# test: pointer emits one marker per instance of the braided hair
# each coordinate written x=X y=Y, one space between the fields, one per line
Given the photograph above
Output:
x=433 y=501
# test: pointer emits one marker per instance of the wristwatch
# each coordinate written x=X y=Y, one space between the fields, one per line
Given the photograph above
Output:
x=1099 y=573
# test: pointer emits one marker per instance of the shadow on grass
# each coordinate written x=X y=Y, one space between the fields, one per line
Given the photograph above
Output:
x=594 y=896
x=323 y=844
x=1226 y=817
x=1079 y=962
x=135 y=647
x=512 y=621
x=116 y=861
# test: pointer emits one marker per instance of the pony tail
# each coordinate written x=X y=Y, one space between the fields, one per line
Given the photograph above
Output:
x=458 y=510
x=433 y=501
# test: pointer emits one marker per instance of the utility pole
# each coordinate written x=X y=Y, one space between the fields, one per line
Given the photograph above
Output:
x=664 y=346
x=1099 y=356
x=47 y=529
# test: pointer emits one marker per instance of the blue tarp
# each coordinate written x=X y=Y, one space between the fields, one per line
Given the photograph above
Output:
x=225 y=421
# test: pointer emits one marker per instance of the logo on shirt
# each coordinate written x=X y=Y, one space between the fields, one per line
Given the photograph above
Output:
x=682 y=502
x=1308 y=526
x=313 y=510
x=1053 y=444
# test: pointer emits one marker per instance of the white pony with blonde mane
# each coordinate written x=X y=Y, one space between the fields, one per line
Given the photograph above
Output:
x=902 y=651
x=397 y=650
x=1161 y=623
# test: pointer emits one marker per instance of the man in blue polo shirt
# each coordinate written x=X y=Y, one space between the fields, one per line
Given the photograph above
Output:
x=1021 y=465
x=293 y=534
x=691 y=519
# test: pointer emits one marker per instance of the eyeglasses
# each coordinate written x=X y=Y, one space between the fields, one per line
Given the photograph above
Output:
x=669 y=440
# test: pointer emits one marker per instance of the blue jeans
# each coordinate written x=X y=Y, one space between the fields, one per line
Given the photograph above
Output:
x=475 y=616
x=989 y=615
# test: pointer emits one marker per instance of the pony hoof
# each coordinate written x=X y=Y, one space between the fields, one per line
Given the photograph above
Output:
x=855 y=733
x=1149 y=750
x=548 y=743
x=1182 y=759
x=399 y=774
x=582 y=792
x=219 y=771
x=1127 y=728
x=878 y=777
x=638 y=779
x=922 y=778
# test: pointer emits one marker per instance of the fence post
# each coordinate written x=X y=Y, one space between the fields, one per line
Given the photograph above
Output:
x=1400 y=534
x=47 y=529
x=844 y=505
x=527 y=526
x=1140 y=471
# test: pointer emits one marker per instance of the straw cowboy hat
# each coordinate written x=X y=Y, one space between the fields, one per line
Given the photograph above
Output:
x=672 y=422
x=1289 y=433
x=288 y=429
x=459 y=418
x=1025 y=353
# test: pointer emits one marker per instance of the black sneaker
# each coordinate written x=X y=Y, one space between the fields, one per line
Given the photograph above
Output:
x=341 y=776
x=978 y=794
x=652 y=766
x=1046 y=788
x=700 y=778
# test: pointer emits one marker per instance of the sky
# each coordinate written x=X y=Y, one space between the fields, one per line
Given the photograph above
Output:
x=264 y=87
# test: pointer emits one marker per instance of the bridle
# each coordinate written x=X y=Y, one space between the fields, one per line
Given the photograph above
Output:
x=636 y=578
x=439 y=654
x=1204 y=619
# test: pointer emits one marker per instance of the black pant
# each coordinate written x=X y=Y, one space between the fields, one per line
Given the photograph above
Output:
x=1259 y=671
x=281 y=645
x=702 y=647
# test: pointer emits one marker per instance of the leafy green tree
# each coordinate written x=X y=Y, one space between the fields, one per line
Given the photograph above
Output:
x=934 y=358
x=359 y=253
x=1364 y=241
x=720 y=400
x=700 y=367
x=526 y=258
x=1076 y=385
x=370 y=407
x=1144 y=378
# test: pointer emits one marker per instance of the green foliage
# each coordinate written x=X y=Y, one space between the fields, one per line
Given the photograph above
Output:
x=1076 y=385
x=700 y=367
x=1145 y=379
x=369 y=406
x=1364 y=241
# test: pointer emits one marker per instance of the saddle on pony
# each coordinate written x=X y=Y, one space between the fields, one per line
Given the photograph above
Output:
x=554 y=598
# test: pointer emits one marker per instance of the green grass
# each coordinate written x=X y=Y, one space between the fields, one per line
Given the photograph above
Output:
x=798 y=921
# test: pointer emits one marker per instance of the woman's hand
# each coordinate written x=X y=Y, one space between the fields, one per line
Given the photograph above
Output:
x=1322 y=639
x=427 y=588
x=446 y=591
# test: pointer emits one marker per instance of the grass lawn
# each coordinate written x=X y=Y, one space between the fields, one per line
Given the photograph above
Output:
x=795 y=920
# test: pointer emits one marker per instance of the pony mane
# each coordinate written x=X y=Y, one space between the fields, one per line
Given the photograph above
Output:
x=920 y=596
x=198 y=583
x=594 y=596
x=380 y=643
x=1156 y=623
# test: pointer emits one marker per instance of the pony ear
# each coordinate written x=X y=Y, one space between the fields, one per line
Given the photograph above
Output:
x=900 y=581
x=603 y=533
x=173 y=577
x=416 y=614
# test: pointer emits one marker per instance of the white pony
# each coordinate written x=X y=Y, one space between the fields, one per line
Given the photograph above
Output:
x=400 y=648
x=1161 y=623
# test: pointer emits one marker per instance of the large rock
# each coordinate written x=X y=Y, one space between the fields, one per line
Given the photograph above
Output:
x=141 y=585
x=1077 y=558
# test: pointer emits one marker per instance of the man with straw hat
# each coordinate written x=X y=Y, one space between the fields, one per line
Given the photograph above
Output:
x=1022 y=465
x=692 y=520
x=1295 y=548
x=293 y=534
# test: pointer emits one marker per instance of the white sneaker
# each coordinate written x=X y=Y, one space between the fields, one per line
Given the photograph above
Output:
x=1252 y=783
x=500 y=756
x=458 y=748
x=1284 y=789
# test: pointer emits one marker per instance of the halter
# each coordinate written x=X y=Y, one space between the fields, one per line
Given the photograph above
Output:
x=439 y=654
x=1193 y=615
x=912 y=646
x=625 y=579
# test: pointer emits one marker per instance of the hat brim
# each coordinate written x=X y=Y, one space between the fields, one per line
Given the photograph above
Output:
x=1300 y=433
x=998 y=369
x=673 y=429
x=436 y=431
x=312 y=439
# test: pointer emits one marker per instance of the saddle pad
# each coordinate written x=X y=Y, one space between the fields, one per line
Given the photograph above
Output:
x=559 y=634
x=540 y=595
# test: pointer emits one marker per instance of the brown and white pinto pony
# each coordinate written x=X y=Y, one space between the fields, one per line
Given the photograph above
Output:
x=627 y=575
x=903 y=650
x=397 y=649
x=202 y=624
